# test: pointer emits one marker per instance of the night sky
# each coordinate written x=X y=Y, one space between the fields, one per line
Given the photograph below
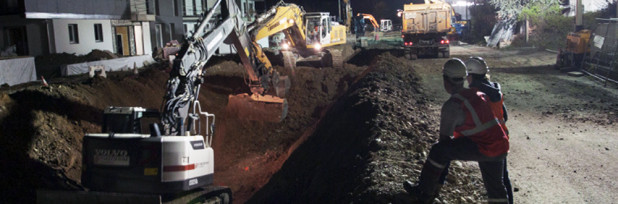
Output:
x=378 y=8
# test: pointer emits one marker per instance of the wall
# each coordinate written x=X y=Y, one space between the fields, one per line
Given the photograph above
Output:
x=146 y=38
x=166 y=17
x=36 y=33
x=87 y=41
x=106 y=8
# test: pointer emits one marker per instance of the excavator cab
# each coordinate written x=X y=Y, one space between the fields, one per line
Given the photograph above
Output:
x=318 y=29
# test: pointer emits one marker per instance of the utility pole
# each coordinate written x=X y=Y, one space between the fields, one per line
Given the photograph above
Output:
x=579 y=12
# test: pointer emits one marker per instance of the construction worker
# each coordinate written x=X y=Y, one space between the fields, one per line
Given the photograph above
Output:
x=469 y=131
x=478 y=78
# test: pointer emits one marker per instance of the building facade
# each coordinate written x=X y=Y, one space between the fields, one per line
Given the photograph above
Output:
x=124 y=27
x=193 y=10
x=168 y=24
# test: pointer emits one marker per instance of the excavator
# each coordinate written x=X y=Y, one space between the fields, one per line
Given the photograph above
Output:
x=308 y=36
x=370 y=18
x=146 y=156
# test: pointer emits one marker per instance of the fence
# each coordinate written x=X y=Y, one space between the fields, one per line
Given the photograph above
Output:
x=602 y=60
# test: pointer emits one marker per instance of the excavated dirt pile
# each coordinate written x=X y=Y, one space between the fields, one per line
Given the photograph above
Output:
x=42 y=128
x=372 y=139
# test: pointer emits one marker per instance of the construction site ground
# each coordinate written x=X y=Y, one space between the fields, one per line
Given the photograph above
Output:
x=353 y=134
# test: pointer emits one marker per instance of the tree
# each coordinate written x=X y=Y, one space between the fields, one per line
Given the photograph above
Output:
x=512 y=8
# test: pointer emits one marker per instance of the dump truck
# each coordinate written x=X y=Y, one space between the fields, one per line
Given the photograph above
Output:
x=425 y=27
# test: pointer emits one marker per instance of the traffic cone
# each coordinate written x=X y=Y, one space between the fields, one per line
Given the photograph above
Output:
x=44 y=82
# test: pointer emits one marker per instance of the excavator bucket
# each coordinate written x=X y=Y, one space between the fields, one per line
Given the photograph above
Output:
x=255 y=107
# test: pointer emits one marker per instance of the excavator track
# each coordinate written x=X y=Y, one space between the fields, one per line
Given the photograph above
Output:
x=208 y=194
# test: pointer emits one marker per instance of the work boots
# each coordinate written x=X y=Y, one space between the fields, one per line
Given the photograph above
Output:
x=415 y=191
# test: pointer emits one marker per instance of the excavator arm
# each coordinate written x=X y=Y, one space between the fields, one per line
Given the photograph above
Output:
x=374 y=23
x=188 y=68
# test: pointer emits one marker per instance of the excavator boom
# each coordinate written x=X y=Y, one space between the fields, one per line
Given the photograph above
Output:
x=188 y=68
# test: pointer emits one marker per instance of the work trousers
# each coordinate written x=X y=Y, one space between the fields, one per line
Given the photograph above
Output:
x=443 y=152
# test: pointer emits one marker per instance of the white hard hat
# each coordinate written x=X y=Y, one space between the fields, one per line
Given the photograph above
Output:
x=454 y=68
x=477 y=65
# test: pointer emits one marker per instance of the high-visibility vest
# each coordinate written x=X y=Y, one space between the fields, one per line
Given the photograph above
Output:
x=496 y=108
x=480 y=125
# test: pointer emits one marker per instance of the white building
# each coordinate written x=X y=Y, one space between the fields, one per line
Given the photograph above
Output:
x=38 y=27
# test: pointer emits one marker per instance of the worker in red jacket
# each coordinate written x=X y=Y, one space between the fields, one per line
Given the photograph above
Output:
x=469 y=131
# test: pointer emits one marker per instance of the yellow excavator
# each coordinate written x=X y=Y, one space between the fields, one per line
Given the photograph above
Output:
x=308 y=36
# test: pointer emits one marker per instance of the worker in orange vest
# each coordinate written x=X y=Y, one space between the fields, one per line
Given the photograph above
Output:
x=478 y=77
x=469 y=131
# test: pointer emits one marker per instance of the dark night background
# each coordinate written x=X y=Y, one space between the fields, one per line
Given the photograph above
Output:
x=380 y=9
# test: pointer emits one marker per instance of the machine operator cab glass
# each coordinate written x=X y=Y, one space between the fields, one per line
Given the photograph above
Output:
x=318 y=29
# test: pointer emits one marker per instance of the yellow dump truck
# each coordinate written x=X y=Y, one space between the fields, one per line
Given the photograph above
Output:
x=425 y=28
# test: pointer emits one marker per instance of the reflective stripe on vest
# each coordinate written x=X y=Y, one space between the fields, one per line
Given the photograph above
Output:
x=479 y=127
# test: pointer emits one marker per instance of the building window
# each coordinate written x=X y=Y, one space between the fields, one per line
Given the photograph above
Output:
x=73 y=37
x=157 y=12
x=172 y=31
x=159 y=35
x=98 y=32
x=193 y=7
x=150 y=7
x=175 y=7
